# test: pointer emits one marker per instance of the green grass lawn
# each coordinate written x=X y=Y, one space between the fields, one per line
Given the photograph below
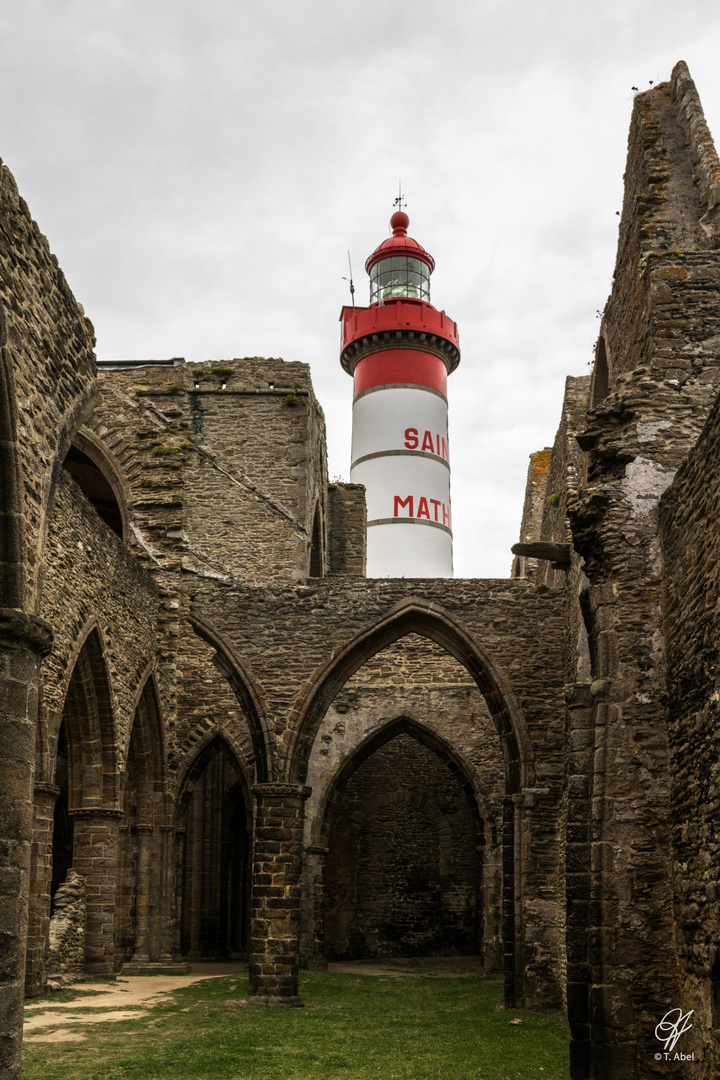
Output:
x=354 y=1027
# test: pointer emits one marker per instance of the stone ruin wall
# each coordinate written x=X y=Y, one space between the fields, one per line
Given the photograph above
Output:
x=116 y=599
x=655 y=378
x=47 y=374
x=536 y=483
x=205 y=457
x=218 y=530
x=66 y=937
x=667 y=237
x=690 y=512
x=347 y=534
x=109 y=591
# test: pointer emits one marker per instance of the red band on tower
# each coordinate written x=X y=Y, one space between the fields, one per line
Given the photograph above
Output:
x=405 y=366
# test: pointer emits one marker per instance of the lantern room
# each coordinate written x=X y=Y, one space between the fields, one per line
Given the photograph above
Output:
x=399 y=268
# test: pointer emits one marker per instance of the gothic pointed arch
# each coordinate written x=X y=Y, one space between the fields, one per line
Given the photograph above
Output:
x=195 y=760
x=99 y=475
x=405 y=840
x=214 y=821
x=89 y=722
x=247 y=692
x=417 y=616
x=144 y=759
x=405 y=725
x=142 y=917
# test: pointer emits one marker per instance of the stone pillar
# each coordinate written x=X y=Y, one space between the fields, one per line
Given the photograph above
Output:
x=508 y=899
x=176 y=853
x=537 y=889
x=142 y=894
x=578 y=896
x=167 y=909
x=313 y=912
x=23 y=641
x=275 y=903
x=40 y=882
x=95 y=857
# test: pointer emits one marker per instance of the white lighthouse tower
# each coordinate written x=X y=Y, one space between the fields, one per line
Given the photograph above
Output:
x=400 y=351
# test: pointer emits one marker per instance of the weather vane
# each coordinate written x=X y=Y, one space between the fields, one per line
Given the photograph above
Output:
x=400 y=201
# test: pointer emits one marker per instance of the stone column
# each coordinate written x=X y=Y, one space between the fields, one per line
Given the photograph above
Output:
x=95 y=857
x=537 y=887
x=176 y=853
x=275 y=903
x=142 y=894
x=508 y=899
x=167 y=910
x=40 y=882
x=577 y=877
x=23 y=641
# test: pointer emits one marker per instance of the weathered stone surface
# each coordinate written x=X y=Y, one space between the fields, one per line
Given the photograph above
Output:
x=66 y=940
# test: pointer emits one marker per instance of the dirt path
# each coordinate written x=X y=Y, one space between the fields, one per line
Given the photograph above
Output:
x=64 y=1022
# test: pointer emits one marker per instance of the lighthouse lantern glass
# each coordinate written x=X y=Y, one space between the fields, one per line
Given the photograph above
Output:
x=398 y=277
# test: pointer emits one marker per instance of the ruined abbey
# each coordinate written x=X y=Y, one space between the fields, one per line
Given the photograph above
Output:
x=218 y=738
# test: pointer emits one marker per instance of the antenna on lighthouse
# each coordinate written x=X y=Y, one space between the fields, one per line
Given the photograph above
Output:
x=350 y=280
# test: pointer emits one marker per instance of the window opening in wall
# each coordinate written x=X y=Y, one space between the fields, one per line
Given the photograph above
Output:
x=95 y=487
x=601 y=375
x=316 y=559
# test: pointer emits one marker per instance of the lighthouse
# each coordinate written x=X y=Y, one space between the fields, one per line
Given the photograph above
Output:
x=400 y=351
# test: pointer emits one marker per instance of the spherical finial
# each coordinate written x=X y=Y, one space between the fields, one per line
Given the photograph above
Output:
x=399 y=223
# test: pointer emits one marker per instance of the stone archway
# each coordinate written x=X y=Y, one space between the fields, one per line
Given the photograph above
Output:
x=86 y=816
x=248 y=694
x=214 y=819
x=404 y=837
x=430 y=620
x=143 y=908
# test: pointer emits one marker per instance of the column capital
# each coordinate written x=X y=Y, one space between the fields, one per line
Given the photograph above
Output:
x=16 y=627
x=279 y=790
x=44 y=787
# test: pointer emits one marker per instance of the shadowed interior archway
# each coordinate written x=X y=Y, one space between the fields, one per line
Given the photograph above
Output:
x=404 y=725
x=416 y=616
x=87 y=817
x=214 y=821
x=440 y=889
x=143 y=910
x=88 y=717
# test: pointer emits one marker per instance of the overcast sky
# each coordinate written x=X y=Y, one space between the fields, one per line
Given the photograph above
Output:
x=201 y=170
